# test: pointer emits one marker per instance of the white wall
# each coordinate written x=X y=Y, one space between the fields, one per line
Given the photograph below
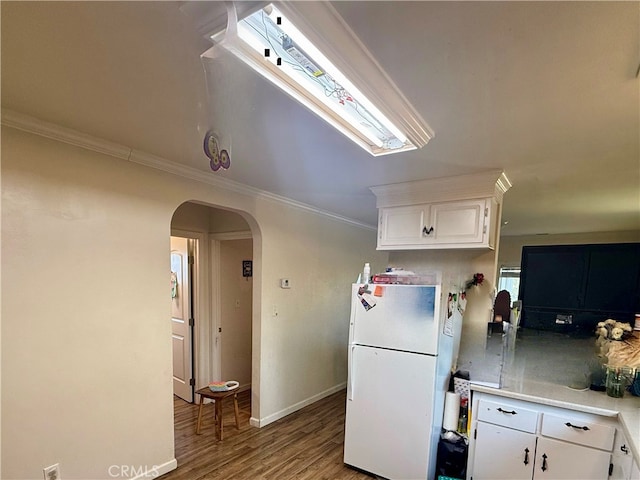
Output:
x=86 y=350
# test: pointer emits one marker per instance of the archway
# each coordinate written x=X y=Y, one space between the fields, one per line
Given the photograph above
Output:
x=227 y=306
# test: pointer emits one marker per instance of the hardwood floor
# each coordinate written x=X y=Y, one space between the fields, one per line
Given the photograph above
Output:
x=304 y=445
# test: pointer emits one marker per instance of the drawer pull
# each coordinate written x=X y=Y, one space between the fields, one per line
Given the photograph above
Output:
x=569 y=424
x=544 y=462
x=526 y=456
x=512 y=412
x=426 y=231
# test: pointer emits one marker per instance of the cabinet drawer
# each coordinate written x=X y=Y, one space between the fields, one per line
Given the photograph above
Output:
x=508 y=416
x=578 y=431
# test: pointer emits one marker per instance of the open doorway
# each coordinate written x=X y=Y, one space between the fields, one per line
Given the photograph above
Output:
x=222 y=287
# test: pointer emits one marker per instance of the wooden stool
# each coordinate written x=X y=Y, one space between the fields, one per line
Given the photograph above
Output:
x=217 y=397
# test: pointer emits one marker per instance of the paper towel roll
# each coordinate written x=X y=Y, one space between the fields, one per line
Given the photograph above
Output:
x=451 y=411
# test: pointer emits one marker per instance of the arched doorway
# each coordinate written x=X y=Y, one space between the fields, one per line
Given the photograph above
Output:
x=222 y=285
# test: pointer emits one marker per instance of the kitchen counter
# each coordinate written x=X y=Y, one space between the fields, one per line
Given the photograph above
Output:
x=626 y=409
x=538 y=367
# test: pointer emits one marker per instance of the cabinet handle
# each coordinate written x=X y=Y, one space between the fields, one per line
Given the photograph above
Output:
x=569 y=424
x=544 y=462
x=624 y=449
x=426 y=231
x=512 y=412
x=526 y=456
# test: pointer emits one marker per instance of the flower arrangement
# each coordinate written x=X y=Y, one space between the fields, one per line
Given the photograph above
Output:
x=477 y=279
x=613 y=330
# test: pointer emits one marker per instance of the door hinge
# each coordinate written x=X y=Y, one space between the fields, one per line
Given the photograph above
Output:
x=192 y=381
x=220 y=330
x=191 y=260
x=192 y=322
x=475 y=433
x=486 y=211
x=484 y=229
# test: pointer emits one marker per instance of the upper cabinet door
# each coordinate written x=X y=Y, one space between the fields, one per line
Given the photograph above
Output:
x=402 y=225
x=458 y=222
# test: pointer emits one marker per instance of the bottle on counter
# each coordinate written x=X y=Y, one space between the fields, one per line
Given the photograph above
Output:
x=366 y=273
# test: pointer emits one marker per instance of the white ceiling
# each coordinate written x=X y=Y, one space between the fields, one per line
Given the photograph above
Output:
x=546 y=91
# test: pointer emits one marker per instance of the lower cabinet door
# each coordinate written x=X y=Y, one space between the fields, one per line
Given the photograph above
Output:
x=503 y=453
x=561 y=460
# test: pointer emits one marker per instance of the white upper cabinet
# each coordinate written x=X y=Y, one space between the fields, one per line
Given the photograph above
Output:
x=402 y=225
x=452 y=212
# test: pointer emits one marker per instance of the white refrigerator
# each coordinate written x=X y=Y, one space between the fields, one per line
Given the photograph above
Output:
x=399 y=364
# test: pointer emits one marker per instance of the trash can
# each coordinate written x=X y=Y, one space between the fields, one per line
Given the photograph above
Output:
x=451 y=461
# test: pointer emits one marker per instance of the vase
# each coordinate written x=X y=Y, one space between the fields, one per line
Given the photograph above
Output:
x=617 y=380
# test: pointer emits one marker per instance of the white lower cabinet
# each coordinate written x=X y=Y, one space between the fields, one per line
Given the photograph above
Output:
x=503 y=453
x=622 y=459
x=562 y=460
x=518 y=440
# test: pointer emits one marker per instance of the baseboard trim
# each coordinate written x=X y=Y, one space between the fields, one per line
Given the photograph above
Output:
x=262 y=422
x=157 y=470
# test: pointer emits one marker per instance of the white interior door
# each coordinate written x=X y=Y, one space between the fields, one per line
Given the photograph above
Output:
x=181 y=326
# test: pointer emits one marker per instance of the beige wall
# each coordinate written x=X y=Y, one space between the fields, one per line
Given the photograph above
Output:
x=511 y=246
x=202 y=218
x=86 y=350
x=235 y=311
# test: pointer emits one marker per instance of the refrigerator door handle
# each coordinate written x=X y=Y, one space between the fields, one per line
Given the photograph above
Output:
x=350 y=372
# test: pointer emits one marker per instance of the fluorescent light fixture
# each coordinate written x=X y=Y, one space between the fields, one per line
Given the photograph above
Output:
x=269 y=42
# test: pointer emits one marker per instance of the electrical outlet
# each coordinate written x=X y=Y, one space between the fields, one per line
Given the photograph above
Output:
x=52 y=472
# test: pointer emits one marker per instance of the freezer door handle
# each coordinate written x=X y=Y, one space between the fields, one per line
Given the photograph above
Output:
x=350 y=374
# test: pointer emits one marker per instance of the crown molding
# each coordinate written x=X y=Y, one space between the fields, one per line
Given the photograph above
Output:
x=36 y=126
x=61 y=134
x=491 y=183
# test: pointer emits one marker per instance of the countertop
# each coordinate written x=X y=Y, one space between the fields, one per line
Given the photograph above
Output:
x=626 y=409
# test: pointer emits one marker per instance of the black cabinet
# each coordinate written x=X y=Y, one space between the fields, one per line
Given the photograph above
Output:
x=589 y=282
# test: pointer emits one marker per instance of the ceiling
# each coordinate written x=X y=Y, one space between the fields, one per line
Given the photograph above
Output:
x=546 y=91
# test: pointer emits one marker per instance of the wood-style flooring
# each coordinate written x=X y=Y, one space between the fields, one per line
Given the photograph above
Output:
x=307 y=444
